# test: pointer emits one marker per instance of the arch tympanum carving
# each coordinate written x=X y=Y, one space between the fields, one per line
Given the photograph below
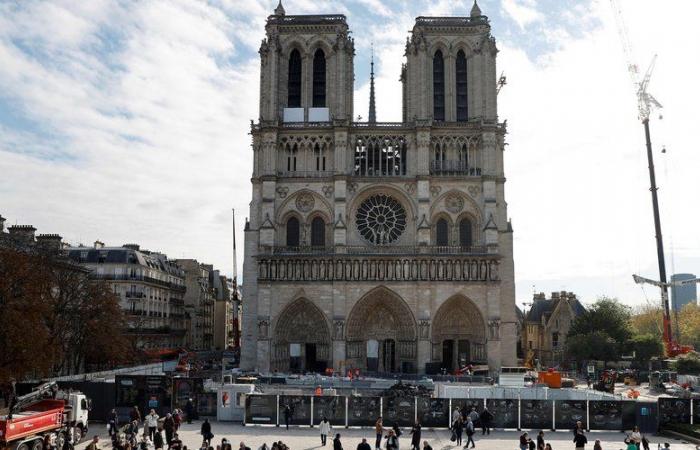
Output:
x=458 y=332
x=300 y=322
x=382 y=316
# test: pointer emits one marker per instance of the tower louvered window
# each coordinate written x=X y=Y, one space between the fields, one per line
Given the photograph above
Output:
x=294 y=80
x=461 y=88
x=319 y=82
x=438 y=86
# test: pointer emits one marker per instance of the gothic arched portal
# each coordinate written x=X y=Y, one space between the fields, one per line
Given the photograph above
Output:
x=458 y=333
x=301 y=340
x=381 y=333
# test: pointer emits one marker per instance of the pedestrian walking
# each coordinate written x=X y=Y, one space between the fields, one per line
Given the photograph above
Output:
x=523 y=441
x=169 y=427
x=392 y=441
x=379 y=431
x=427 y=446
x=177 y=418
x=470 y=430
x=135 y=415
x=415 y=436
x=113 y=422
x=287 y=415
x=397 y=430
x=597 y=446
x=189 y=410
x=580 y=440
x=207 y=435
x=152 y=423
x=474 y=416
x=458 y=429
x=455 y=414
x=540 y=440
x=645 y=442
x=636 y=437
x=336 y=443
x=364 y=445
x=325 y=429
x=486 y=417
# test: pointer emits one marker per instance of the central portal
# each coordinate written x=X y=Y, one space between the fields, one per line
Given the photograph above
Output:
x=381 y=333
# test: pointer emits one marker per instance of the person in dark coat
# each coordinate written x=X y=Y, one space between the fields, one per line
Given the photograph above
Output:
x=486 y=417
x=458 y=427
x=189 y=410
x=580 y=440
x=169 y=427
x=336 y=443
x=135 y=414
x=540 y=440
x=427 y=446
x=364 y=445
x=287 y=415
x=415 y=436
x=113 y=422
x=158 y=440
x=206 y=432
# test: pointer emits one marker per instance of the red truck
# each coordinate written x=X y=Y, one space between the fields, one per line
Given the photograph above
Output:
x=39 y=414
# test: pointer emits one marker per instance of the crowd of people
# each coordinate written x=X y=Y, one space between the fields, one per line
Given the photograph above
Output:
x=465 y=421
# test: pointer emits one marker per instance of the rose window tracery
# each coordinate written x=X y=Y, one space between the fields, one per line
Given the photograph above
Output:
x=381 y=219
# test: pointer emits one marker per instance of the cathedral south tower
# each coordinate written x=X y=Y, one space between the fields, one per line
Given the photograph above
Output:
x=373 y=245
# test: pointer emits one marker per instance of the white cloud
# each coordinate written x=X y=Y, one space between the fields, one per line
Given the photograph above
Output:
x=524 y=12
x=146 y=139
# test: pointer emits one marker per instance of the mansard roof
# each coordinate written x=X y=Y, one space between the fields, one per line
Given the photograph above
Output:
x=544 y=307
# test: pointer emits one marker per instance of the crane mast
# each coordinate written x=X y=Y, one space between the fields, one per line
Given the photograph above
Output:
x=645 y=103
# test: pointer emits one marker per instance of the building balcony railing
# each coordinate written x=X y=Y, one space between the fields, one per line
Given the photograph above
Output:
x=381 y=250
x=135 y=295
x=128 y=277
x=453 y=167
x=305 y=173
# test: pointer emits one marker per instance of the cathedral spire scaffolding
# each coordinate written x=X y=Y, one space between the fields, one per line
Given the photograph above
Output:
x=372 y=108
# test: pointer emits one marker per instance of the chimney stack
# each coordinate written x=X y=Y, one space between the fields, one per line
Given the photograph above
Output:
x=555 y=295
x=51 y=242
x=99 y=244
x=2 y=224
x=23 y=232
x=132 y=247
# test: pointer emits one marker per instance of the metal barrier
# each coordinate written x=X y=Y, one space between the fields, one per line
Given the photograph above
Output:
x=532 y=414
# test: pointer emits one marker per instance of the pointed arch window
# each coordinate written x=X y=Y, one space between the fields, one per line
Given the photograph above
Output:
x=319 y=82
x=318 y=232
x=438 y=86
x=442 y=233
x=465 y=233
x=294 y=80
x=293 y=232
x=461 y=88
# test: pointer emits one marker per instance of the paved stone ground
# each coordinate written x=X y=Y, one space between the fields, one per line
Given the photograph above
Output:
x=308 y=438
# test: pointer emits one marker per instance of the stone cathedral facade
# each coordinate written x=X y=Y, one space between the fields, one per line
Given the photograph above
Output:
x=372 y=245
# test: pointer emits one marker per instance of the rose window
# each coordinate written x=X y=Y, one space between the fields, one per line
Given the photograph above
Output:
x=381 y=219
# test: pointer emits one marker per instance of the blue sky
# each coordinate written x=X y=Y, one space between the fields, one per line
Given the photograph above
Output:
x=127 y=121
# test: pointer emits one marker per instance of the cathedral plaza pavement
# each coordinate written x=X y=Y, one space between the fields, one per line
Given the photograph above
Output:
x=308 y=438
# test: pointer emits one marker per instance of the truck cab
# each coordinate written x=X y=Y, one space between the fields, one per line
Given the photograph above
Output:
x=76 y=413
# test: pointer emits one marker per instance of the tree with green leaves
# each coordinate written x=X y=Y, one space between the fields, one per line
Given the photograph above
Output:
x=602 y=333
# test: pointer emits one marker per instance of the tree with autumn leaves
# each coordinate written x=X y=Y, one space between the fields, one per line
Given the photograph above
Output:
x=54 y=319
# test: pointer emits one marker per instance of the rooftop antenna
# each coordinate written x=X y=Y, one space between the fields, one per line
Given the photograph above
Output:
x=235 y=263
